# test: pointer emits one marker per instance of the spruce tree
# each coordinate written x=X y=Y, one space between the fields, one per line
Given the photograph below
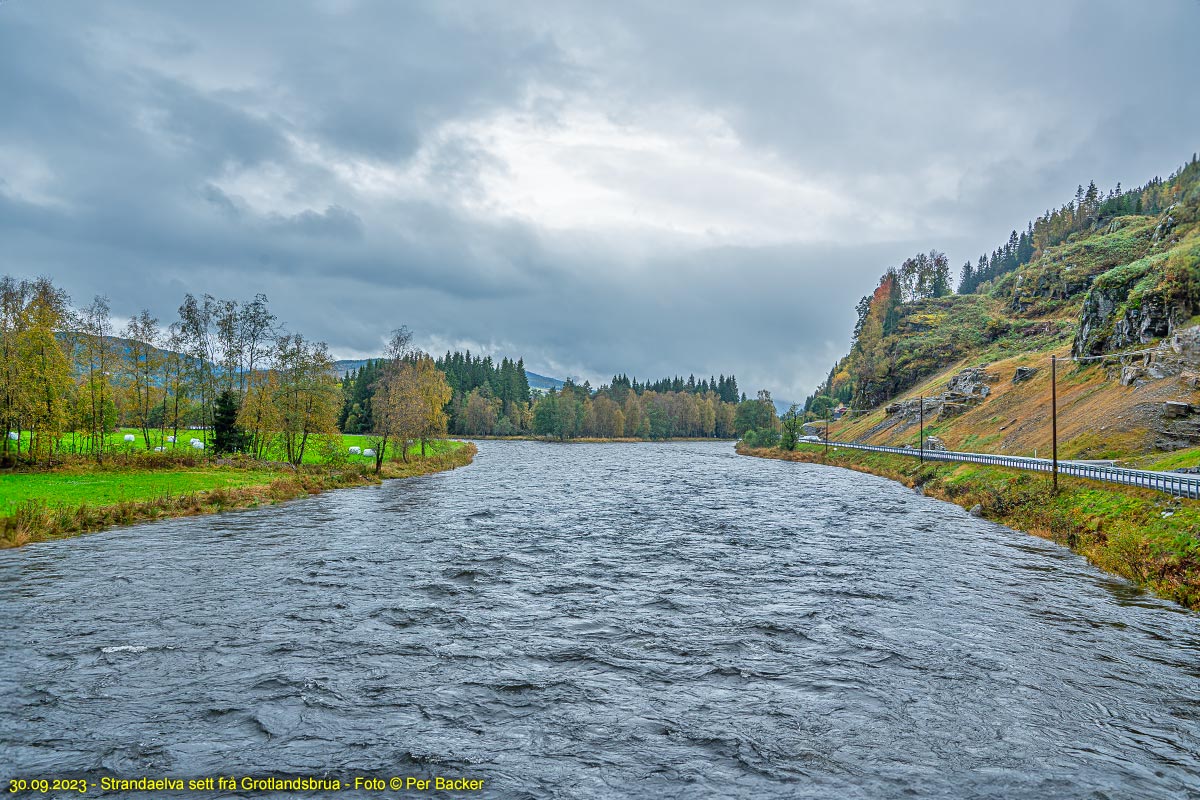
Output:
x=228 y=437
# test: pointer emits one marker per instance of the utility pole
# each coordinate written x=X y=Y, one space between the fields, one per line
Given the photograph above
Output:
x=922 y=439
x=1054 y=417
x=827 y=433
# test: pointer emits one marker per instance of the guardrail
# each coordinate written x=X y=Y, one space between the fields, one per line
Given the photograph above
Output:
x=1176 y=484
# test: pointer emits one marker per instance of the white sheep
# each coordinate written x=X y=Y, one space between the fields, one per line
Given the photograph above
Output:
x=129 y=437
x=13 y=435
x=355 y=451
x=369 y=453
x=196 y=443
x=158 y=449
x=171 y=439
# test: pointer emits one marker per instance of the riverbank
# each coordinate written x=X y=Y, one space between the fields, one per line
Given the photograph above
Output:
x=1147 y=537
x=69 y=501
x=597 y=439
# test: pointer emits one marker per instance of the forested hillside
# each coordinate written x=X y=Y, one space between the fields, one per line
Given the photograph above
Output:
x=1105 y=274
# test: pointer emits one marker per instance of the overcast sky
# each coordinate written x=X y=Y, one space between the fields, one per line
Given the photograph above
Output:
x=652 y=188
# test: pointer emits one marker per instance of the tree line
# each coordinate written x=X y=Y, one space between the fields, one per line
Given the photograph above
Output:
x=1089 y=208
x=617 y=411
x=227 y=373
x=489 y=398
x=224 y=369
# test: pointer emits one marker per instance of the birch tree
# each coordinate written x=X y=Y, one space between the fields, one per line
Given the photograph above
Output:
x=307 y=397
x=395 y=417
x=143 y=362
x=99 y=359
x=46 y=379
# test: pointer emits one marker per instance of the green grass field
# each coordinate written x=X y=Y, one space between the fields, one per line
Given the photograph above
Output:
x=313 y=454
x=109 y=487
x=118 y=482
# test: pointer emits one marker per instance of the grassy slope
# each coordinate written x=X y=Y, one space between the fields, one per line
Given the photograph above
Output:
x=1012 y=325
x=1147 y=537
x=38 y=506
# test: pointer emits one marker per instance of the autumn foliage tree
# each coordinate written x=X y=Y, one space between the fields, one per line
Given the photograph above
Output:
x=306 y=397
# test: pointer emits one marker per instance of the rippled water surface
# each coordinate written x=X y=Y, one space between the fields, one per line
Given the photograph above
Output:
x=602 y=621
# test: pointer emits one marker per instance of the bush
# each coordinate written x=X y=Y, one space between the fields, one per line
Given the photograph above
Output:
x=761 y=437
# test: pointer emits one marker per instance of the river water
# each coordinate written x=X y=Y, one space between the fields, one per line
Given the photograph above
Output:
x=597 y=621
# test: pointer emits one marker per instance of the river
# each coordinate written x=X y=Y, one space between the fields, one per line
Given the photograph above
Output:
x=595 y=621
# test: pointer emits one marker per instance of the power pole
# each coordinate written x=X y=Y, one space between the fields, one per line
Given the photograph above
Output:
x=827 y=433
x=1054 y=417
x=922 y=439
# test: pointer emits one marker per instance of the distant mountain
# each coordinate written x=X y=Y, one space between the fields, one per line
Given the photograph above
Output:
x=340 y=368
x=542 y=382
x=782 y=406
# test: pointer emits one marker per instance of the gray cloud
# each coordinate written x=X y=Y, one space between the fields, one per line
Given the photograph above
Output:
x=644 y=188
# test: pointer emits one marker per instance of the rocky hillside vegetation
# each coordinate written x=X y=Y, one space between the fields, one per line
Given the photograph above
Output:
x=1109 y=283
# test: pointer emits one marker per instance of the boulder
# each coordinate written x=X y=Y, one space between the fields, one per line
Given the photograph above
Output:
x=1174 y=409
x=1132 y=374
x=1023 y=374
x=971 y=382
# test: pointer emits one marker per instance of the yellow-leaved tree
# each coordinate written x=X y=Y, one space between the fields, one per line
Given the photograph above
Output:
x=433 y=393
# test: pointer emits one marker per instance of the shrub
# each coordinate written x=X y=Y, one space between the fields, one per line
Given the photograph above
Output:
x=761 y=437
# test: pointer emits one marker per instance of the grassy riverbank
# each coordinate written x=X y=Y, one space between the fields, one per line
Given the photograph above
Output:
x=1147 y=537
x=598 y=439
x=70 y=500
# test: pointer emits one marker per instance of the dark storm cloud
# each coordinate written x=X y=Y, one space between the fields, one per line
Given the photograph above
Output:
x=372 y=164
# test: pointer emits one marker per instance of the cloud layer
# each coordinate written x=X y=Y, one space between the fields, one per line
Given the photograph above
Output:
x=646 y=188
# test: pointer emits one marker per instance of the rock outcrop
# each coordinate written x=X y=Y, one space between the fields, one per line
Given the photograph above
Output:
x=1023 y=374
x=1177 y=356
x=971 y=382
x=1135 y=303
x=965 y=390
x=1116 y=316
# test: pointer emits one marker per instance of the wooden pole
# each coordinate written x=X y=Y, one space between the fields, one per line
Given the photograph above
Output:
x=922 y=439
x=827 y=433
x=1054 y=417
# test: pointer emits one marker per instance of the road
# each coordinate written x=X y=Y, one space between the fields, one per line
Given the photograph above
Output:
x=1176 y=484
